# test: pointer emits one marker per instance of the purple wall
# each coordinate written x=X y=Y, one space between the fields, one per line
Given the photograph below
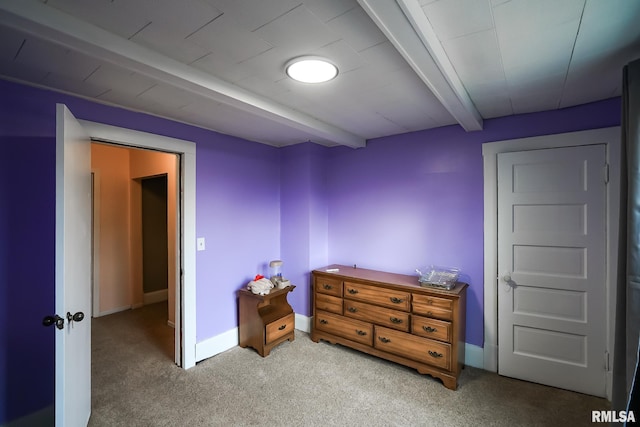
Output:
x=304 y=219
x=26 y=279
x=237 y=211
x=416 y=199
x=402 y=202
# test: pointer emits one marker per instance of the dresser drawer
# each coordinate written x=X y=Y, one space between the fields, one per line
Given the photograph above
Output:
x=279 y=328
x=440 y=308
x=376 y=295
x=378 y=315
x=423 y=350
x=351 y=329
x=328 y=303
x=431 y=328
x=329 y=286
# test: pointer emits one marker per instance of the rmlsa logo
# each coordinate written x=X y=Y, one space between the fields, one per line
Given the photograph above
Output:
x=613 y=417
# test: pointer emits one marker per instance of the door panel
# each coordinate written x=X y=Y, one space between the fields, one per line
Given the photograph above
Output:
x=551 y=258
x=73 y=270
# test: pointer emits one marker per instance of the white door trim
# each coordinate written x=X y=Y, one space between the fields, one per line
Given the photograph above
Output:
x=187 y=149
x=608 y=136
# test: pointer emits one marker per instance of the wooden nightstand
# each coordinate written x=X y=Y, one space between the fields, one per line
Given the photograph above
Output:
x=265 y=320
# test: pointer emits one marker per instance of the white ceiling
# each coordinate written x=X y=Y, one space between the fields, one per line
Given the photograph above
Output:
x=405 y=65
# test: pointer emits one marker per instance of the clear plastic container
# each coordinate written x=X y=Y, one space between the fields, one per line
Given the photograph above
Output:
x=439 y=277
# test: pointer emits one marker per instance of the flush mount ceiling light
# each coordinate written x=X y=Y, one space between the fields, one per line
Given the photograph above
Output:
x=311 y=69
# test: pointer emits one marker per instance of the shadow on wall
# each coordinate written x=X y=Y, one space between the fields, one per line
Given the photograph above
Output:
x=27 y=280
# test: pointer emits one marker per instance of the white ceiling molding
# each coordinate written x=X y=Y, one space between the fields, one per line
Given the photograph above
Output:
x=34 y=17
x=418 y=44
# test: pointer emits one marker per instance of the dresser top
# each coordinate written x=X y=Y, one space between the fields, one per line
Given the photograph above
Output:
x=383 y=277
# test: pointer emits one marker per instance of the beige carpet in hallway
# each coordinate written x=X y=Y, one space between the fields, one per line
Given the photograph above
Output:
x=135 y=383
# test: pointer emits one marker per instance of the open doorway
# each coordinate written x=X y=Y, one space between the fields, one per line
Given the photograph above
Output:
x=130 y=273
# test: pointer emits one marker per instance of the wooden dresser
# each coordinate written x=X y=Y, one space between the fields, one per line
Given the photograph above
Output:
x=265 y=320
x=391 y=316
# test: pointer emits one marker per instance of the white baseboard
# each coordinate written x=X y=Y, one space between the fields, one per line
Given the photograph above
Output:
x=156 y=296
x=473 y=356
x=303 y=323
x=113 y=310
x=216 y=345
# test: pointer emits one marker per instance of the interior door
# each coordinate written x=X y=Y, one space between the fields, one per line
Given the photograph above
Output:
x=73 y=271
x=551 y=260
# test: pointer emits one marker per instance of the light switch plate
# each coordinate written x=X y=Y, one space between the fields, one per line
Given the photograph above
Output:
x=200 y=242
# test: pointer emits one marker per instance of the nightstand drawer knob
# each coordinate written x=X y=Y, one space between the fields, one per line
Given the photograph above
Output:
x=395 y=320
x=429 y=329
x=361 y=333
x=352 y=291
x=352 y=309
x=435 y=354
x=396 y=300
x=324 y=322
x=384 y=340
x=281 y=328
x=327 y=287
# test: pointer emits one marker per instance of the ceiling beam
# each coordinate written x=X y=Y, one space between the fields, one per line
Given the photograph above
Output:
x=407 y=27
x=40 y=20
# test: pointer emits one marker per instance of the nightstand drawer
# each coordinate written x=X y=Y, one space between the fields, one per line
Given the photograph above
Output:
x=351 y=329
x=328 y=303
x=279 y=328
x=410 y=346
x=397 y=300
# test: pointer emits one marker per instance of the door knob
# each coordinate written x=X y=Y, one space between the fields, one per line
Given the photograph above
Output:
x=51 y=320
x=506 y=277
x=75 y=317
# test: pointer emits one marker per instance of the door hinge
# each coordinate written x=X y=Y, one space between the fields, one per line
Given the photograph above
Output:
x=606 y=173
x=607 y=365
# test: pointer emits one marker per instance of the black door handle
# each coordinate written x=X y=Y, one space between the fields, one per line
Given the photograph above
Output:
x=76 y=317
x=51 y=320
x=59 y=321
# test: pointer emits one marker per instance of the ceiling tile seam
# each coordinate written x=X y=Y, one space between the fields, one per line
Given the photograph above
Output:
x=277 y=17
x=203 y=25
x=198 y=59
x=140 y=30
x=24 y=41
x=338 y=16
x=573 y=48
x=91 y=73
x=504 y=76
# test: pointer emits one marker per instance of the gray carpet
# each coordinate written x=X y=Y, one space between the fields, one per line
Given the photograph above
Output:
x=135 y=383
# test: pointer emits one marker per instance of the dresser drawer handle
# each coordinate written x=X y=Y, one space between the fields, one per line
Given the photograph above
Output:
x=352 y=309
x=429 y=329
x=395 y=320
x=282 y=327
x=435 y=354
x=327 y=287
x=396 y=300
x=352 y=291
x=384 y=340
x=361 y=333
x=324 y=322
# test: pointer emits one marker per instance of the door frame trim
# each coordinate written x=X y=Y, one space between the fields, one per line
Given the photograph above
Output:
x=610 y=137
x=187 y=244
